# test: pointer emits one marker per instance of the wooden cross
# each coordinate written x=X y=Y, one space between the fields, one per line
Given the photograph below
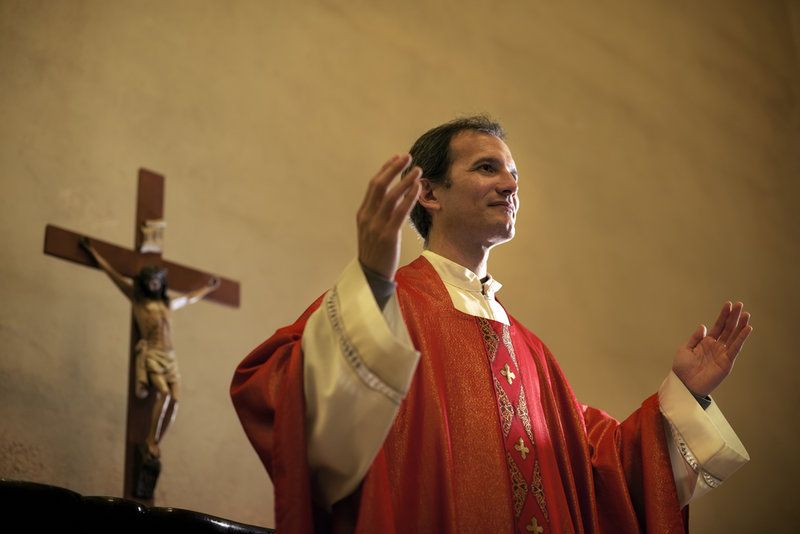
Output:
x=64 y=244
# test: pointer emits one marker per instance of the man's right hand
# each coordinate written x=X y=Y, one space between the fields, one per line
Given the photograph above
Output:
x=382 y=213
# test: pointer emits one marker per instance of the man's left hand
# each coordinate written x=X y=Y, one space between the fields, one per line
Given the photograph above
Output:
x=707 y=358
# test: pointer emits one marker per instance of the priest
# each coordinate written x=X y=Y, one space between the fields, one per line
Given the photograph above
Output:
x=410 y=400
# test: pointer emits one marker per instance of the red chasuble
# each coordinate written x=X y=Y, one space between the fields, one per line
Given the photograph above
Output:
x=490 y=437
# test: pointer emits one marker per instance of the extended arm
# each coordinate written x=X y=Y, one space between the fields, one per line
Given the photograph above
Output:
x=359 y=359
x=319 y=396
x=703 y=447
x=194 y=296
x=124 y=285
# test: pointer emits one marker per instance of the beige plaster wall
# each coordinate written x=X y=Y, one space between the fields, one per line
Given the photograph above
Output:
x=658 y=147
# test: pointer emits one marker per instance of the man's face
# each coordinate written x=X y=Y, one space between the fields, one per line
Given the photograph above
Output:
x=480 y=206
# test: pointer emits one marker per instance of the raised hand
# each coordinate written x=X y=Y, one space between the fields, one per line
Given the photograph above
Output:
x=382 y=213
x=707 y=358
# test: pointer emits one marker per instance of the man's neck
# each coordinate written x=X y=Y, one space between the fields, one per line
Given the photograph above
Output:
x=474 y=258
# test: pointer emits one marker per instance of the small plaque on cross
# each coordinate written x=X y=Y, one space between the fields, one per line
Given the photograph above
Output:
x=152 y=236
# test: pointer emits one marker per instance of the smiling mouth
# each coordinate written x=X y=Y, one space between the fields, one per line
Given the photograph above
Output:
x=506 y=206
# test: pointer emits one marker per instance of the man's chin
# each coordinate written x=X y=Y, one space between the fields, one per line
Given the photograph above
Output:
x=503 y=237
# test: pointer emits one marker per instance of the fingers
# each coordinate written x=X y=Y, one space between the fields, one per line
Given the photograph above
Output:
x=744 y=320
x=736 y=345
x=744 y=323
x=407 y=201
x=390 y=205
x=716 y=330
x=398 y=193
x=736 y=330
x=731 y=324
x=368 y=196
x=697 y=336
x=380 y=182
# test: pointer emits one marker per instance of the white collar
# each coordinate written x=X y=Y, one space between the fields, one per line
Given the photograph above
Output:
x=459 y=276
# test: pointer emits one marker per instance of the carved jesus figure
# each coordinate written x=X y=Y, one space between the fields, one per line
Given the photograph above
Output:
x=156 y=364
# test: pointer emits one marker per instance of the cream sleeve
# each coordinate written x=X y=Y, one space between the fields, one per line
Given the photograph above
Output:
x=358 y=365
x=703 y=447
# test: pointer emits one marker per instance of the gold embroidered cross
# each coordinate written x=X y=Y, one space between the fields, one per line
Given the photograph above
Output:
x=521 y=448
x=508 y=373
x=534 y=526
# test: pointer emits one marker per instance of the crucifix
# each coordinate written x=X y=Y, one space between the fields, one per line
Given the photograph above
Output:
x=152 y=376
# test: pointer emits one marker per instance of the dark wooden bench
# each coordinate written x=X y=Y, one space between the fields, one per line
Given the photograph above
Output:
x=34 y=507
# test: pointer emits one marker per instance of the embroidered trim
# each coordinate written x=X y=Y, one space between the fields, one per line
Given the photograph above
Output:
x=518 y=485
x=537 y=488
x=489 y=337
x=509 y=345
x=708 y=478
x=351 y=355
x=522 y=411
x=506 y=408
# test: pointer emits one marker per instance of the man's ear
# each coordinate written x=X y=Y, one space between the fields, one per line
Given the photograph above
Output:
x=427 y=197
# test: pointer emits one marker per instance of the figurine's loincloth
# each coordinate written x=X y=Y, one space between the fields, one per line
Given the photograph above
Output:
x=156 y=366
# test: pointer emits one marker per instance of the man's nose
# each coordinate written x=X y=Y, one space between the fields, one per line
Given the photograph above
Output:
x=507 y=184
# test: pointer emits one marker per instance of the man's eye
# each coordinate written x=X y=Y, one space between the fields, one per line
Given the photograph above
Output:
x=486 y=167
